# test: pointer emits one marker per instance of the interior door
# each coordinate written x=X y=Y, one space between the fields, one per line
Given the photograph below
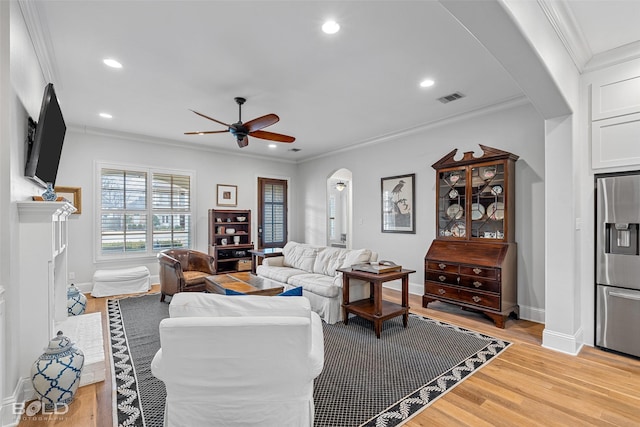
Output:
x=272 y=213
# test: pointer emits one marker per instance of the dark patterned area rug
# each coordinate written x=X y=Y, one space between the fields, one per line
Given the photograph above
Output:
x=365 y=381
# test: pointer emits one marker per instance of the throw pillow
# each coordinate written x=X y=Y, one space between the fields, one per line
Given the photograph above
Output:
x=293 y=292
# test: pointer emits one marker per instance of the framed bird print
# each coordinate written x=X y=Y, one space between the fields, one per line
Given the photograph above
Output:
x=398 y=204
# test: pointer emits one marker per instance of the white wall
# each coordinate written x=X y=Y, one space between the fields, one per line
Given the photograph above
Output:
x=82 y=150
x=516 y=128
x=22 y=94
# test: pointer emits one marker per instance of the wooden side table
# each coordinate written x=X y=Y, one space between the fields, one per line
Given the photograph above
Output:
x=257 y=255
x=375 y=308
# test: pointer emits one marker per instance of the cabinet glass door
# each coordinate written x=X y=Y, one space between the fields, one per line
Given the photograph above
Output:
x=451 y=203
x=488 y=201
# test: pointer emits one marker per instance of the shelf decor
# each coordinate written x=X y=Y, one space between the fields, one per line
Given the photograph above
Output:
x=227 y=195
x=398 y=204
x=72 y=195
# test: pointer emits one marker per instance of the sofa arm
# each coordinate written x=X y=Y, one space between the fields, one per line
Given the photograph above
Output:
x=276 y=261
x=316 y=362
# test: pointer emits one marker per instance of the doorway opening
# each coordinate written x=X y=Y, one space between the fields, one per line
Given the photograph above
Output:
x=339 y=221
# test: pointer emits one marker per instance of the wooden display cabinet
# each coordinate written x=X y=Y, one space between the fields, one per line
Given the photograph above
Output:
x=473 y=260
x=230 y=239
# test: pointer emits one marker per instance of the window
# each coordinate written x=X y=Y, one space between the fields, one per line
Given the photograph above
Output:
x=272 y=213
x=143 y=211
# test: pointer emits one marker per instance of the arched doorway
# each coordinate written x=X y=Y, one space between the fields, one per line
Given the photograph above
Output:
x=339 y=222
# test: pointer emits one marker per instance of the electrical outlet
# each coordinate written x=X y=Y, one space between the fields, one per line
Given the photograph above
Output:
x=72 y=276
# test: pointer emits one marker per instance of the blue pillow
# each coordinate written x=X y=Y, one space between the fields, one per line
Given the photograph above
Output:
x=232 y=292
x=293 y=292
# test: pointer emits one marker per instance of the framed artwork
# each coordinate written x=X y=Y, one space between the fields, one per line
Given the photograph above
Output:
x=72 y=195
x=227 y=195
x=398 y=204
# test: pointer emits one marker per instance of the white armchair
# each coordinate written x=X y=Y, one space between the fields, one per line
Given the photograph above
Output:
x=239 y=360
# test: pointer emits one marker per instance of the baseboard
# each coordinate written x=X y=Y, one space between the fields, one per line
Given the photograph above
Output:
x=565 y=343
x=532 y=314
x=414 y=288
x=10 y=412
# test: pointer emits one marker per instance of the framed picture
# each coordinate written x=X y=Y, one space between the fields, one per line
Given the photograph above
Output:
x=227 y=195
x=72 y=195
x=398 y=204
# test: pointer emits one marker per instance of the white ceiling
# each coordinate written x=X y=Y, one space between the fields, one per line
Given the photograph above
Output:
x=331 y=92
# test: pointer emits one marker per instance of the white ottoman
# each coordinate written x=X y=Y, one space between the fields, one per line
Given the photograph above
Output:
x=121 y=281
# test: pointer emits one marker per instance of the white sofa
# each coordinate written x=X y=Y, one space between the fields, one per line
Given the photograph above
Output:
x=314 y=268
x=239 y=361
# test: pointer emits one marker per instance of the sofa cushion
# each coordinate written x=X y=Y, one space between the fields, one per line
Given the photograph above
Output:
x=328 y=260
x=356 y=256
x=300 y=256
x=195 y=304
x=279 y=274
x=319 y=284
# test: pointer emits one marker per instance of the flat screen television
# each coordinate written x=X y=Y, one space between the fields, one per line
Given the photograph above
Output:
x=45 y=147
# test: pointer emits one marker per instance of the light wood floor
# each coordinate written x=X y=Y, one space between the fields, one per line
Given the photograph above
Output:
x=527 y=385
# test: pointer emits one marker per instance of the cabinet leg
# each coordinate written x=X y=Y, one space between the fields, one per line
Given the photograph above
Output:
x=498 y=319
x=426 y=300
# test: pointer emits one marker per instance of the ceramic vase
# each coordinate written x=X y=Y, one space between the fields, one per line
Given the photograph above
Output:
x=56 y=373
x=76 y=301
x=49 y=194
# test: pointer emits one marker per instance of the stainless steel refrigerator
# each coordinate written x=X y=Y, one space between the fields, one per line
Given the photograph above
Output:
x=618 y=263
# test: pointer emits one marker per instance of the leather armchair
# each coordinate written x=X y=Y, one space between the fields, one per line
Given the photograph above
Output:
x=183 y=270
x=239 y=361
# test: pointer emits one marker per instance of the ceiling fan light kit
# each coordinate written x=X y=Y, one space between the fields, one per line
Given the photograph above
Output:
x=242 y=131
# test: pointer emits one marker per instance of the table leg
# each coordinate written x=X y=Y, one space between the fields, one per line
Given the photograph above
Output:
x=254 y=263
x=377 y=297
x=377 y=326
x=345 y=298
x=405 y=299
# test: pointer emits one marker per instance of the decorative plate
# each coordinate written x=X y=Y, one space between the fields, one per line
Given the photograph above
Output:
x=477 y=211
x=496 y=190
x=495 y=210
x=458 y=229
x=455 y=211
x=453 y=194
x=489 y=172
x=454 y=177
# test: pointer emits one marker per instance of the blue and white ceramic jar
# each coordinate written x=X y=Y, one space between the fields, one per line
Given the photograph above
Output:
x=56 y=373
x=76 y=301
x=49 y=194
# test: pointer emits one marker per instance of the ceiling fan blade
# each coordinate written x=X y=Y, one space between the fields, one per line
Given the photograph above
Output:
x=206 y=132
x=210 y=118
x=272 y=136
x=261 y=122
x=243 y=142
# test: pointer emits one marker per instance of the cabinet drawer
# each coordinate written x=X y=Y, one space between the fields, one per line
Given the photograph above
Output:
x=442 y=266
x=441 y=277
x=441 y=291
x=479 y=299
x=490 y=273
x=480 y=284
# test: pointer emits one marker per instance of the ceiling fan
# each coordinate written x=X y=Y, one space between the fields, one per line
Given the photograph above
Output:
x=242 y=130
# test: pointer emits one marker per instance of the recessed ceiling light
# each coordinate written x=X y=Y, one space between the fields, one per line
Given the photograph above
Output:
x=112 y=63
x=427 y=83
x=106 y=116
x=330 y=27
x=272 y=145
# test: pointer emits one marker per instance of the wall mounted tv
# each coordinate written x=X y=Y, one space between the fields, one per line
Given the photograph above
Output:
x=45 y=140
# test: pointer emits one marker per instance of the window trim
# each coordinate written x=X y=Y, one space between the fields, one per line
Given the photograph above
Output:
x=150 y=253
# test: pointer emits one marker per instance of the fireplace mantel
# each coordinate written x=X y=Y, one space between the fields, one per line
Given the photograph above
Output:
x=43 y=275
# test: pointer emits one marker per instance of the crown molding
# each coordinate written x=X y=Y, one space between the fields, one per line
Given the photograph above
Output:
x=128 y=136
x=568 y=30
x=619 y=55
x=40 y=39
